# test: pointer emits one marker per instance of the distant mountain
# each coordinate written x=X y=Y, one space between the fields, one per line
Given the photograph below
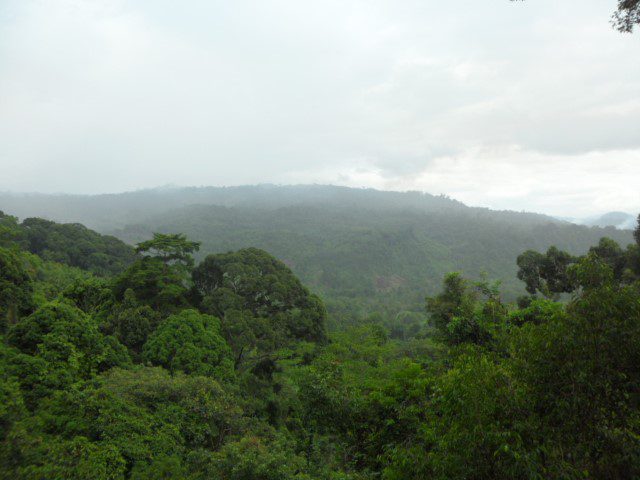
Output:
x=362 y=249
x=109 y=211
x=620 y=220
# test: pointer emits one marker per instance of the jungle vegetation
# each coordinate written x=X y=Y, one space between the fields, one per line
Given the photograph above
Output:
x=365 y=252
x=147 y=363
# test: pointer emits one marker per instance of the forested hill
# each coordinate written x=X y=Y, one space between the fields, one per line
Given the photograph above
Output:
x=226 y=367
x=70 y=244
x=360 y=248
x=109 y=211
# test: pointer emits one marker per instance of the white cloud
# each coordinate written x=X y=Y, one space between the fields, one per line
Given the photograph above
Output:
x=522 y=105
x=513 y=179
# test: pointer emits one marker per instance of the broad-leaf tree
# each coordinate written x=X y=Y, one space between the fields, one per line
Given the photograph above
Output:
x=190 y=342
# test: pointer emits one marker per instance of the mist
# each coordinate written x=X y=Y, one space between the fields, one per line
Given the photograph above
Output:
x=516 y=105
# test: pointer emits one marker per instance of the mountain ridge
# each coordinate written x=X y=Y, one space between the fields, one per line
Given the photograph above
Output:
x=359 y=248
x=64 y=207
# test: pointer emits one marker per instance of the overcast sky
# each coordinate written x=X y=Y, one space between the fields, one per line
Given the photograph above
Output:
x=528 y=105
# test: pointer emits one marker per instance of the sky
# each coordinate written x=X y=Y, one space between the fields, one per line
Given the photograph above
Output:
x=530 y=105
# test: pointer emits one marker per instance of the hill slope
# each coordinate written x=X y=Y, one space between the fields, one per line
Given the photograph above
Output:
x=362 y=249
x=71 y=244
x=109 y=211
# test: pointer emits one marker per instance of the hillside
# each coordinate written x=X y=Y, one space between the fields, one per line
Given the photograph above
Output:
x=71 y=244
x=109 y=211
x=226 y=370
x=362 y=249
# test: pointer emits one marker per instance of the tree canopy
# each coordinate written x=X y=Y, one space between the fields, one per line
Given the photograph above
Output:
x=190 y=342
x=170 y=248
x=225 y=369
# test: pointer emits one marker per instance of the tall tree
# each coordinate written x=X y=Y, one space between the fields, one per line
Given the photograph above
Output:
x=252 y=281
x=548 y=273
x=161 y=277
x=459 y=314
x=170 y=248
x=190 y=342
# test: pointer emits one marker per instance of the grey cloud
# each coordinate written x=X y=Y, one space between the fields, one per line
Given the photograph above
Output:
x=110 y=95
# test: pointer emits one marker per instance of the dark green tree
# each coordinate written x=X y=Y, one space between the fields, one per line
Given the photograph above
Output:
x=16 y=288
x=131 y=323
x=253 y=457
x=579 y=368
x=12 y=404
x=91 y=295
x=77 y=246
x=11 y=234
x=474 y=426
x=161 y=278
x=190 y=342
x=255 y=283
x=68 y=342
x=612 y=254
x=546 y=273
x=460 y=316
x=171 y=249
x=134 y=423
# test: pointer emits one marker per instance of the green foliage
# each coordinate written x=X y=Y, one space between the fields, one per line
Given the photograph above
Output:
x=153 y=283
x=473 y=427
x=536 y=312
x=63 y=345
x=170 y=248
x=460 y=316
x=89 y=294
x=16 y=288
x=161 y=278
x=612 y=254
x=547 y=273
x=253 y=458
x=190 y=342
x=52 y=279
x=258 y=295
x=229 y=373
x=161 y=468
x=126 y=420
x=10 y=232
x=77 y=246
x=580 y=368
x=77 y=458
x=553 y=273
x=129 y=321
x=12 y=406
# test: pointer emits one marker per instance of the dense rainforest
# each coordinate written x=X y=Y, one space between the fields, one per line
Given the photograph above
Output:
x=159 y=362
x=365 y=252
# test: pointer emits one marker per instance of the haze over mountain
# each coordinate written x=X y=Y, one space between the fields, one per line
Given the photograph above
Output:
x=620 y=220
x=446 y=97
x=109 y=211
x=374 y=246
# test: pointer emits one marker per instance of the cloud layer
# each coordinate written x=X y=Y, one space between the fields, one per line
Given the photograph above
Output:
x=532 y=105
